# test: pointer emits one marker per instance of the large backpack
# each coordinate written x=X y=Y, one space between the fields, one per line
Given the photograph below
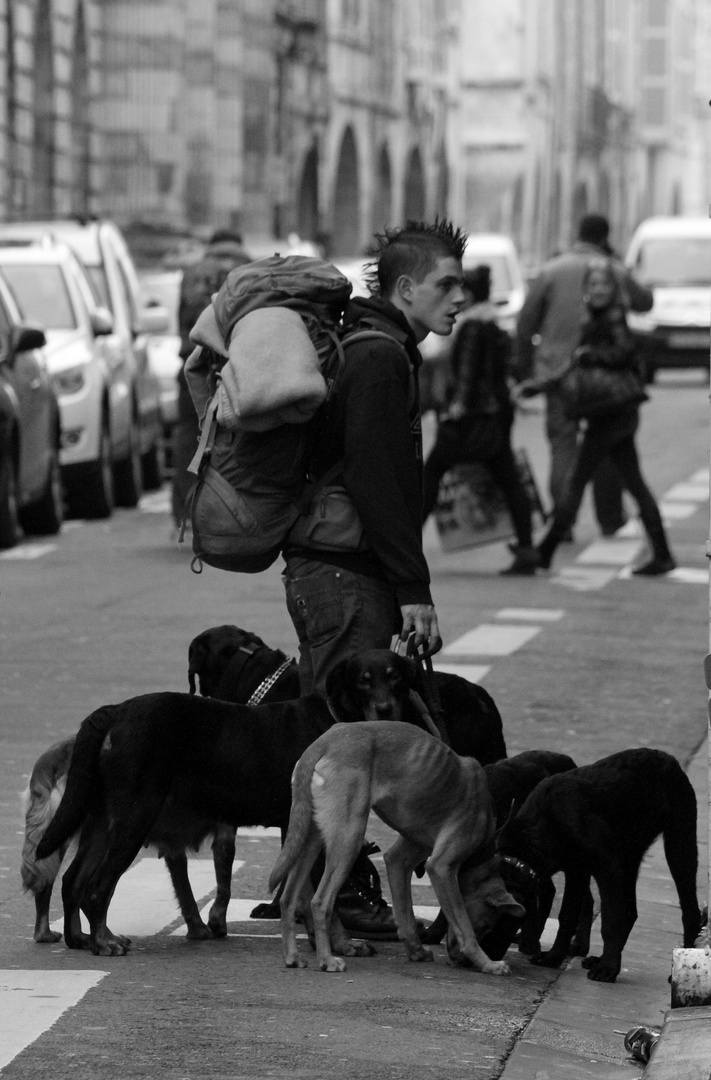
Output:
x=252 y=473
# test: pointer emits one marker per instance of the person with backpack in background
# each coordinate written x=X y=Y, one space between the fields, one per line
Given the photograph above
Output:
x=479 y=418
x=224 y=251
x=355 y=571
x=551 y=313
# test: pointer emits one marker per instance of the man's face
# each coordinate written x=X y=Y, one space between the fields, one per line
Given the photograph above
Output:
x=434 y=303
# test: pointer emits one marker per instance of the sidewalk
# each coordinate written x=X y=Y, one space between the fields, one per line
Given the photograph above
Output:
x=572 y=1034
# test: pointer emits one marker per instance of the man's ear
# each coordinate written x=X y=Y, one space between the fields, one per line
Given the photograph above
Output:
x=404 y=286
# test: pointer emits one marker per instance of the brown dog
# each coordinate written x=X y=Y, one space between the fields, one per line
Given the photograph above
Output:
x=437 y=801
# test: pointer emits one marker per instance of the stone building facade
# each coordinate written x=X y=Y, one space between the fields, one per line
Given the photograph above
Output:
x=334 y=118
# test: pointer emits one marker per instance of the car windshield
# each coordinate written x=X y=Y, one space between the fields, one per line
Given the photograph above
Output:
x=501 y=282
x=675 y=261
x=41 y=295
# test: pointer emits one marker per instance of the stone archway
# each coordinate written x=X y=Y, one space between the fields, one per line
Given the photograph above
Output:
x=80 y=117
x=383 y=197
x=43 y=147
x=307 y=207
x=415 y=194
x=346 y=201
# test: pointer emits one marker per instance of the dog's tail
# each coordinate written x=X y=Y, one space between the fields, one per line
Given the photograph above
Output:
x=40 y=801
x=680 y=848
x=82 y=781
x=300 y=817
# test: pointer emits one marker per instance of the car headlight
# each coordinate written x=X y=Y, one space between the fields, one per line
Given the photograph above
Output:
x=69 y=381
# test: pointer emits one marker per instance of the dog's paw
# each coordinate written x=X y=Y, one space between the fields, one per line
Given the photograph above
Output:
x=496 y=967
x=333 y=963
x=602 y=971
x=296 y=961
x=198 y=932
x=418 y=953
x=590 y=961
x=547 y=959
x=359 y=948
x=109 y=948
x=48 y=937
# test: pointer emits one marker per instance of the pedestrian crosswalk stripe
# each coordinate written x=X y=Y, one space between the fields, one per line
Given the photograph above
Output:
x=515 y=614
x=27 y=551
x=688 y=491
x=31 y=1001
x=676 y=511
x=610 y=552
x=583 y=578
x=144 y=902
x=490 y=640
x=473 y=672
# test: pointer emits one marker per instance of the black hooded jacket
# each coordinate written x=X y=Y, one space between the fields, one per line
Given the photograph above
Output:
x=373 y=423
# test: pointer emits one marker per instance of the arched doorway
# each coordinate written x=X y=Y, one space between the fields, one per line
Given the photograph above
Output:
x=383 y=197
x=346 y=201
x=307 y=208
x=80 y=118
x=43 y=163
x=415 y=201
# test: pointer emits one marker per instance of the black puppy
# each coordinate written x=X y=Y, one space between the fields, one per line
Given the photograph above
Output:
x=598 y=821
x=510 y=783
x=471 y=722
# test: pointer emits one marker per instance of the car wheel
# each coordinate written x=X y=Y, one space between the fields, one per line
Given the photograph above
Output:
x=44 y=517
x=128 y=477
x=9 y=521
x=152 y=472
x=93 y=495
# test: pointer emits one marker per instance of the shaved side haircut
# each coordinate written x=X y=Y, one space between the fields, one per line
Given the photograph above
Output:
x=413 y=250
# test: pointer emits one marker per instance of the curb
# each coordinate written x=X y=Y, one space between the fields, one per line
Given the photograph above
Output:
x=683 y=1051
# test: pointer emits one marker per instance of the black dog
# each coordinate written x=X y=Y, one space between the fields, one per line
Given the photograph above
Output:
x=470 y=721
x=175 y=768
x=510 y=783
x=598 y=821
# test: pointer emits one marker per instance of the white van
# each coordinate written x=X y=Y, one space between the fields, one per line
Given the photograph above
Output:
x=673 y=256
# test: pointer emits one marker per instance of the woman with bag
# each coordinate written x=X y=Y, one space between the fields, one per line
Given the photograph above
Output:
x=477 y=424
x=603 y=386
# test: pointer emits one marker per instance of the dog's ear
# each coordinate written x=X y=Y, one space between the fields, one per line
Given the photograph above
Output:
x=340 y=692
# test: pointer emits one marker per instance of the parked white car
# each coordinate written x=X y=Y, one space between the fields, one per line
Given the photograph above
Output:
x=99 y=458
x=102 y=251
x=673 y=256
x=161 y=289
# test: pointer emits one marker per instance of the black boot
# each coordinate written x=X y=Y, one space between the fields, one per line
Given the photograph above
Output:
x=525 y=562
x=360 y=904
x=662 y=560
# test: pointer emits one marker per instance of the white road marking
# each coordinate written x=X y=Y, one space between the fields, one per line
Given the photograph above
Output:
x=689 y=575
x=688 y=491
x=610 y=552
x=490 y=640
x=238 y=912
x=583 y=578
x=27 y=551
x=675 y=511
x=144 y=901
x=31 y=1001
x=157 y=502
x=259 y=832
x=515 y=614
x=473 y=672
x=701 y=476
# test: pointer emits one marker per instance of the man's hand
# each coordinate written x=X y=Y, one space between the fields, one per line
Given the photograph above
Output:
x=422 y=620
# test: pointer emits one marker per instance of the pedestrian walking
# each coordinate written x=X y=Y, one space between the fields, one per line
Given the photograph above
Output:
x=609 y=392
x=360 y=576
x=200 y=281
x=477 y=424
x=552 y=311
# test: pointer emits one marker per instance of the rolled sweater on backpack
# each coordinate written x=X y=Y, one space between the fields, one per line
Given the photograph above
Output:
x=373 y=423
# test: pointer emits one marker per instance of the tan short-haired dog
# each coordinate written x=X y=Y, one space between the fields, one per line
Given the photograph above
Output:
x=437 y=801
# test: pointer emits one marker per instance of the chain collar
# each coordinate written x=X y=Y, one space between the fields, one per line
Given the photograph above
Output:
x=264 y=687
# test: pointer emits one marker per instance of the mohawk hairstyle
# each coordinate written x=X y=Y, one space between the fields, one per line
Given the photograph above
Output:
x=412 y=249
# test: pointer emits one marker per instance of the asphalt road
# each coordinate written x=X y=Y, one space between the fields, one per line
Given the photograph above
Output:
x=585 y=660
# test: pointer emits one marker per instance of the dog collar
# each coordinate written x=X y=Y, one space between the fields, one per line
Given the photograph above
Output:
x=265 y=686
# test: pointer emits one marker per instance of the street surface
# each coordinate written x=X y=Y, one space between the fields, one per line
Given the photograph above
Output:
x=586 y=660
